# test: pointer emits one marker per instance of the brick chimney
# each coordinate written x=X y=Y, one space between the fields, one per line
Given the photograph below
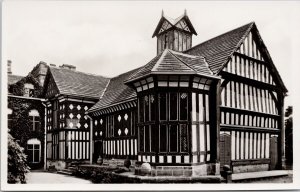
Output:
x=9 y=67
x=67 y=66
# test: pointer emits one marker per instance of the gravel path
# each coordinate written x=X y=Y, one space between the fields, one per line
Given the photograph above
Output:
x=53 y=178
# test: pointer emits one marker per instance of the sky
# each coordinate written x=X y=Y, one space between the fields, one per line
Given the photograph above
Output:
x=110 y=38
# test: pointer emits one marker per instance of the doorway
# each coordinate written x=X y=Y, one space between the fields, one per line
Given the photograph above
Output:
x=273 y=152
x=225 y=149
x=97 y=151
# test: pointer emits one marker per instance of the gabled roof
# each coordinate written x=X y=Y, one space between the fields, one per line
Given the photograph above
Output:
x=74 y=83
x=173 y=23
x=12 y=79
x=173 y=62
x=219 y=49
x=116 y=92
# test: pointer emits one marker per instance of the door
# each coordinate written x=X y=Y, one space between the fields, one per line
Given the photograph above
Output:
x=225 y=149
x=273 y=152
x=97 y=150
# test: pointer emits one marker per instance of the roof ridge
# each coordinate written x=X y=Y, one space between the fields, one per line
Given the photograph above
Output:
x=75 y=71
x=159 y=60
x=185 y=54
x=183 y=62
x=139 y=69
x=105 y=88
x=251 y=23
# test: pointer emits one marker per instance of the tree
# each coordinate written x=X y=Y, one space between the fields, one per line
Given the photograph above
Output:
x=289 y=135
x=17 y=166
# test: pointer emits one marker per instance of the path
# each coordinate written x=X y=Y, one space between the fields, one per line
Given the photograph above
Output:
x=53 y=178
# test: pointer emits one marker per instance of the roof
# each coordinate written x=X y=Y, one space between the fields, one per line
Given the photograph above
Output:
x=173 y=23
x=116 y=92
x=218 y=49
x=173 y=62
x=12 y=79
x=70 y=82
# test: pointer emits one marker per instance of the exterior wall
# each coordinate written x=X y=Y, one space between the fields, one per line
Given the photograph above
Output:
x=249 y=105
x=115 y=135
x=21 y=128
x=176 y=40
x=173 y=122
x=68 y=130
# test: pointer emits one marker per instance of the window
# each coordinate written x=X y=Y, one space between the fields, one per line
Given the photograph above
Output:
x=33 y=150
x=28 y=90
x=55 y=119
x=9 y=118
x=173 y=127
x=146 y=117
x=34 y=117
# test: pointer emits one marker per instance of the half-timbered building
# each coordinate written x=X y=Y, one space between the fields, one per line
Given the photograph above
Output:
x=191 y=109
x=69 y=94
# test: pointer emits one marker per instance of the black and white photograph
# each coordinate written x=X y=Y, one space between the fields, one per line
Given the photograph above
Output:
x=149 y=95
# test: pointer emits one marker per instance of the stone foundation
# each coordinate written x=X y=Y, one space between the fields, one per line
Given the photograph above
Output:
x=117 y=162
x=250 y=168
x=59 y=164
x=186 y=171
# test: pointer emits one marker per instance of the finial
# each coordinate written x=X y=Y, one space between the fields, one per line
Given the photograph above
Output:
x=185 y=14
x=162 y=13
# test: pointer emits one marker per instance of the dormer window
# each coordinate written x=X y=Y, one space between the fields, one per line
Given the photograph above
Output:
x=28 y=90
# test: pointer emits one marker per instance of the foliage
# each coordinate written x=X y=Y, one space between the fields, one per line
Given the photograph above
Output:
x=21 y=128
x=102 y=174
x=17 y=167
x=18 y=88
x=289 y=135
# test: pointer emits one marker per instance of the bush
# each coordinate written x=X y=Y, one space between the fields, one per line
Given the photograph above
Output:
x=17 y=166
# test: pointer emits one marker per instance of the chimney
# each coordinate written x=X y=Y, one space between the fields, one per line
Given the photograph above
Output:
x=9 y=67
x=67 y=66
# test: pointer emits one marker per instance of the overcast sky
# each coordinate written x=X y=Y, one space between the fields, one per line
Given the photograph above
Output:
x=109 y=38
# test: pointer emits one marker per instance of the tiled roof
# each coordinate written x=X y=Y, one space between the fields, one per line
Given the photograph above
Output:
x=218 y=49
x=173 y=62
x=116 y=92
x=70 y=82
x=13 y=79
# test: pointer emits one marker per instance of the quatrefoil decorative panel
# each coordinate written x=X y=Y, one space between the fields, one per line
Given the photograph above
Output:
x=126 y=117
x=71 y=115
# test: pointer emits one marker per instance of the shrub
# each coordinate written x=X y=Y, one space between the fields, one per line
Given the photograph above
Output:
x=17 y=166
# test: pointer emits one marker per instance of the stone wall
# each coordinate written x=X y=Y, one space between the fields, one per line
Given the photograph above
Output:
x=187 y=171
x=250 y=168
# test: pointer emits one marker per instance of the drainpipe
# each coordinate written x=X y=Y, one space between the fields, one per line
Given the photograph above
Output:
x=45 y=137
x=91 y=139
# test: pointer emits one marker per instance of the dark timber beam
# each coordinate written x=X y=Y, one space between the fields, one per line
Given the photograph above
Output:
x=215 y=117
x=281 y=135
x=255 y=83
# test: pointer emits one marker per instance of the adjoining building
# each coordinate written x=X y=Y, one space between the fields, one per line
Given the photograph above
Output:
x=26 y=112
x=69 y=94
